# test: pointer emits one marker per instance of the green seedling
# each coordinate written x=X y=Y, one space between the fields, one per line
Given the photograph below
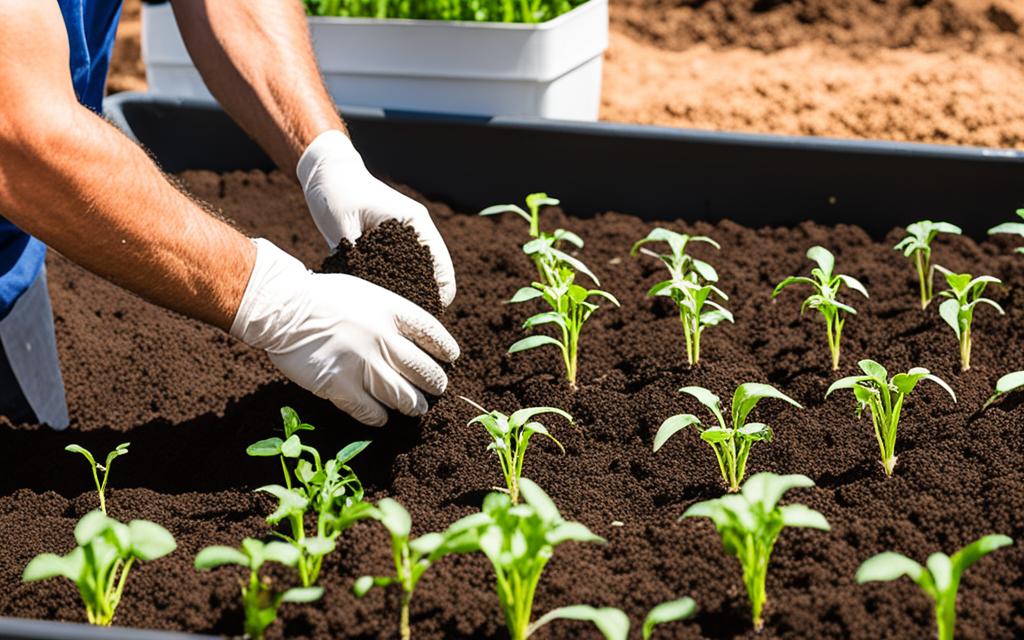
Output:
x=750 y=522
x=883 y=397
x=1013 y=228
x=510 y=436
x=918 y=247
x=99 y=565
x=826 y=286
x=731 y=441
x=101 y=485
x=412 y=557
x=534 y=202
x=963 y=295
x=689 y=286
x=671 y=611
x=259 y=599
x=1006 y=384
x=570 y=308
x=519 y=540
x=614 y=623
x=533 y=11
x=330 y=490
x=940 y=578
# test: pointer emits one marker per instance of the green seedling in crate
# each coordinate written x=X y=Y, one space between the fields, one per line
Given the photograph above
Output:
x=690 y=286
x=519 y=540
x=259 y=599
x=412 y=557
x=101 y=485
x=1011 y=228
x=533 y=11
x=330 y=490
x=826 y=285
x=918 y=247
x=510 y=436
x=570 y=306
x=883 y=397
x=939 y=578
x=1006 y=384
x=963 y=296
x=750 y=522
x=99 y=566
x=732 y=440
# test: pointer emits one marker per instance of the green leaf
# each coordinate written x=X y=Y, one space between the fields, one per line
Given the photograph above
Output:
x=283 y=553
x=74 y=448
x=767 y=488
x=888 y=566
x=668 y=612
x=149 y=540
x=823 y=258
x=1006 y=384
x=793 y=280
x=539 y=500
x=949 y=311
x=848 y=382
x=936 y=379
x=546 y=317
x=317 y=546
x=521 y=416
x=118 y=451
x=708 y=399
x=964 y=558
x=351 y=450
x=48 y=565
x=427 y=544
x=1015 y=228
x=612 y=623
x=395 y=518
x=854 y=284
x=524 y=294
x=363 y=585
x=292 y=447
x=798 y=515
x=572 y=531
x=290 y=501
x=906 y=382
x=874 y=371
x=505 y=208
x=673 y=425
x=302 y=594
x=540 y=199
x=714 y=435
x=747 y=396
x=945 y=227
x=532 y=342
x=265 y=448
x=92 y=525
x=218 y=555
x=941 y=569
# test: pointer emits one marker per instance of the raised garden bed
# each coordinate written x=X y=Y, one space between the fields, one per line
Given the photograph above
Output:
x=191 y=400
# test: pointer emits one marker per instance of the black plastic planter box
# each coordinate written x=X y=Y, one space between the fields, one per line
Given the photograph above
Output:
x=652 y=172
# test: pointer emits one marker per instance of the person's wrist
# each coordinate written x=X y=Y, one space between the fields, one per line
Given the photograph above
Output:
x=331 y=145
x=267 y=298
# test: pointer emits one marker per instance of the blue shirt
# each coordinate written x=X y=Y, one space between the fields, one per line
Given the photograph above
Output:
x=91 y=26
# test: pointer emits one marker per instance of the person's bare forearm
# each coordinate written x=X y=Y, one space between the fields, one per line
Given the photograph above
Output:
x=87 y=191
x=256 y=59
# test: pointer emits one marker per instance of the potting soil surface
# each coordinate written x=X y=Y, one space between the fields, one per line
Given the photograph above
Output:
x=190 y=399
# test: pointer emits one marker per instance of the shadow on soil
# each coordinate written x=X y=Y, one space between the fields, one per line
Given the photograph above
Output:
x=204 y=454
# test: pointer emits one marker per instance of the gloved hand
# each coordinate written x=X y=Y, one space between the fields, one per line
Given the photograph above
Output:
x=343 y=338
x=346 y=200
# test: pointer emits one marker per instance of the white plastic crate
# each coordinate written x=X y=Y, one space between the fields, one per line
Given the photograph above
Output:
x=551 y=70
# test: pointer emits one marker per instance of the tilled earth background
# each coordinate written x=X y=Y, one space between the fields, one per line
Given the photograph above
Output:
x=190 y=399
x=945 y=71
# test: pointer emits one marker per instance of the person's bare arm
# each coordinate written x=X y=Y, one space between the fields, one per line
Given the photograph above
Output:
x=75 y=182
x=256 y=59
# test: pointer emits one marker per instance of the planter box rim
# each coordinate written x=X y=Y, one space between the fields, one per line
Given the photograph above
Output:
x=456 y=24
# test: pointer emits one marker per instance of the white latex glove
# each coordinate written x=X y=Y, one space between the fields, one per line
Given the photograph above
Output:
x=346 y=200
x=343 y=338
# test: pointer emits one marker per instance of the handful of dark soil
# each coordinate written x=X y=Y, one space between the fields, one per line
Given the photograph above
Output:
x=390 y=256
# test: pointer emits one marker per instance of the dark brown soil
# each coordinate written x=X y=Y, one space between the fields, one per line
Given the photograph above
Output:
x=190 y=399
x=389 y=256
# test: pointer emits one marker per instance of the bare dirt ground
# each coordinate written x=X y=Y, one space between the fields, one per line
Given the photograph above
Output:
x=945 y=71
